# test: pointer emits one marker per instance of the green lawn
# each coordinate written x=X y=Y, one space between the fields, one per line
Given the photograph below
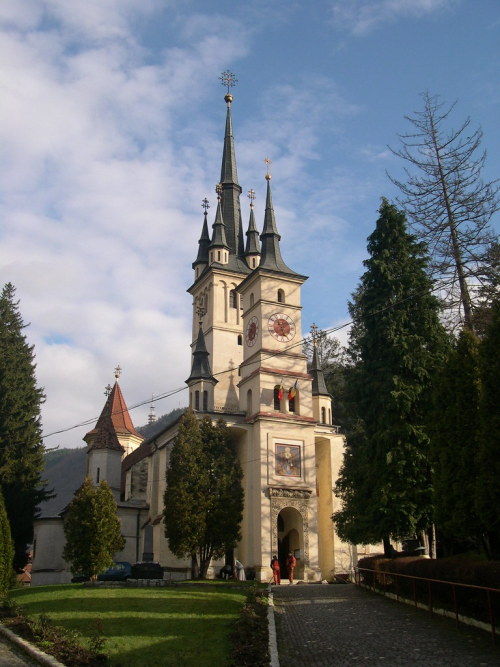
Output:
x=179 y=625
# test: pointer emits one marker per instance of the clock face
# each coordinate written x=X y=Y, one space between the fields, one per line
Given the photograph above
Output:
x=281 y=327
x=252 y=331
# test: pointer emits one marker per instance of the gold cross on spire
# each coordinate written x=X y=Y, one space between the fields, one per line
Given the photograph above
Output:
x=314 y=332
x=118 y=372
x=268 y=162
x=107 y=390
x=228 y=79
x=218 y=190
x=205 y=205
x=251 y=196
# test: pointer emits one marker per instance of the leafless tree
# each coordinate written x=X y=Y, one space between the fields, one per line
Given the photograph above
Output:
x=447 y=202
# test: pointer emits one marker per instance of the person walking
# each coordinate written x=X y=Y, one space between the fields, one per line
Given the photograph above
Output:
x=291 y=562
x=275 y=566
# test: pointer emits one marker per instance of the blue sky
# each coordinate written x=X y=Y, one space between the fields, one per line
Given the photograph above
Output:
x=112 y=121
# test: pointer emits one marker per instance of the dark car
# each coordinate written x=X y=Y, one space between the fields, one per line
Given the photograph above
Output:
x=147 y=570
x=117 y=572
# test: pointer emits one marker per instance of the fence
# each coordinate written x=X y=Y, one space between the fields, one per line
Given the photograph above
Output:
x=477 y=602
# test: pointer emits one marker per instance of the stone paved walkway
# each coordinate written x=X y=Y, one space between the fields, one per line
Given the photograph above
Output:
x=340 y=625
x=11 y=657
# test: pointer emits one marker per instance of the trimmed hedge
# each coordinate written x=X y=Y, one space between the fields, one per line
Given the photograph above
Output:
x=470 y=602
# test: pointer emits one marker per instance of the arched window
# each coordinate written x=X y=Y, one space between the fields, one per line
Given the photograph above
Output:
x=249 y=402
x=329 y=416
x=233 y=301
x=281 y=296
x=196 y=400
x=323 y=415
x=98 y=476
x=251 y=299
x=253 y=262
x=205 y=401
x=291 y=404
x=240 y=339
x=278 y=395
x=218 y=255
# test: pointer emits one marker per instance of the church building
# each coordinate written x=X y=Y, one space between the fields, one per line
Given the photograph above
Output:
x=248 y=367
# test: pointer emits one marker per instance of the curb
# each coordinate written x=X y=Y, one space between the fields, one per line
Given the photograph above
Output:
x=273 y=644
x=33 y=652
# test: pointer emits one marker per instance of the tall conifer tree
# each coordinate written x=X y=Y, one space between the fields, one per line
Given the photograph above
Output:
x=21 y=447
x=204 y=497
x=488 y=459
x=385 y=484
x=6 y=551
x=454 y=430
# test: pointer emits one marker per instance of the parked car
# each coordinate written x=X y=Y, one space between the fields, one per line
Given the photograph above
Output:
x=147 y=570
x=117 y=572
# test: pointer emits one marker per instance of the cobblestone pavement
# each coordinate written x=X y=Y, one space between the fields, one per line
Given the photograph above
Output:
x=337 y=625
x=11 y=657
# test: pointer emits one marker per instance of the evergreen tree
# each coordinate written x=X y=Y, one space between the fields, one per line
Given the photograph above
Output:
x=454 y=430
x=384 y=484
x=6 y=551
x=204 y=497
x=92 y=529
x=488 y=459
x=21 y=447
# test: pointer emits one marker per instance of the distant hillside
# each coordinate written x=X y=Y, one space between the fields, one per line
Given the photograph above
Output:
x=64 y=471
x=150 y=430
x=65 y=468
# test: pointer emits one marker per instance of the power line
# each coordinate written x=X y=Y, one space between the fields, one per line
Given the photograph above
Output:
x=271 y=355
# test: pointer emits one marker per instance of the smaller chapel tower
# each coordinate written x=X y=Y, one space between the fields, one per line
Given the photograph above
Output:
x=113 y=438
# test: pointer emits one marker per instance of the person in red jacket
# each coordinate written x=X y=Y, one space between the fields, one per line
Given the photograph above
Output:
x=291 y=562
x=275 y=566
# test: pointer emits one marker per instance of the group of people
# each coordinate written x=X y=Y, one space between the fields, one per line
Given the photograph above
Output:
x=227 y=571
x=291 y=562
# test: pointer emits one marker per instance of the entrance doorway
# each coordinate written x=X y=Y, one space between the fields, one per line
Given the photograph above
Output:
x=291 y=538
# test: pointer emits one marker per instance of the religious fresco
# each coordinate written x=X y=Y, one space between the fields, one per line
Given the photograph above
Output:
x=287 y=460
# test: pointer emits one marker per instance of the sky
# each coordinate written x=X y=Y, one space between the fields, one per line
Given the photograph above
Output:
x=111 y=126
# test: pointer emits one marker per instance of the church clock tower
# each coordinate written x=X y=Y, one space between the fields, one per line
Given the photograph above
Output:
x=276 y=394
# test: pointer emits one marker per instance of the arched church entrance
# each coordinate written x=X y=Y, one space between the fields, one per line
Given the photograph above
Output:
x=291 y=538
x=290 y=527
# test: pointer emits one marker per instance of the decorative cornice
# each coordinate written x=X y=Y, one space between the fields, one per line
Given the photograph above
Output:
x=289 y=492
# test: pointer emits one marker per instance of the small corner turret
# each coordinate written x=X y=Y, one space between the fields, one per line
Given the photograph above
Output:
x=218 y=250
x=252 y=248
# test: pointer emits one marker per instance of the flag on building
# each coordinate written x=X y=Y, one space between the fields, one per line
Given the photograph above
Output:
x=292 y=391
x=280 y=391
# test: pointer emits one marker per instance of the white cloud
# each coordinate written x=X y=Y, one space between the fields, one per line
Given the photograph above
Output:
x=99 y=226
x=362 y=16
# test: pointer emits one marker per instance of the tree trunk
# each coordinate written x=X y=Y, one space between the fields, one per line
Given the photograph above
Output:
x=388 y=548
x=194 y=566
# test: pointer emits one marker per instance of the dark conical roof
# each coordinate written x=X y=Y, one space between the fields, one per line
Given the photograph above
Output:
x=230 y=201
x=219 y=239
x=200 y=369
x=271 y=254
x=252 y=246
x=318 y=383
x=203 y=244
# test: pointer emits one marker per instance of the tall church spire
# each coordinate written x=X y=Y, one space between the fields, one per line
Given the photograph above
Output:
x=231 y=189
x=271 y=254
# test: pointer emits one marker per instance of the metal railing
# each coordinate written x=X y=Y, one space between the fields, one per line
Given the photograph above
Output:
x=383 y=582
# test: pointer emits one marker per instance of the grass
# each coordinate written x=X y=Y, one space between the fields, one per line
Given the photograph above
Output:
x=190 y=624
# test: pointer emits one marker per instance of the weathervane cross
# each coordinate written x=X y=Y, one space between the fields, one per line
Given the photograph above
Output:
x=205 y=205
x=228 y=79
x=251 y=196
